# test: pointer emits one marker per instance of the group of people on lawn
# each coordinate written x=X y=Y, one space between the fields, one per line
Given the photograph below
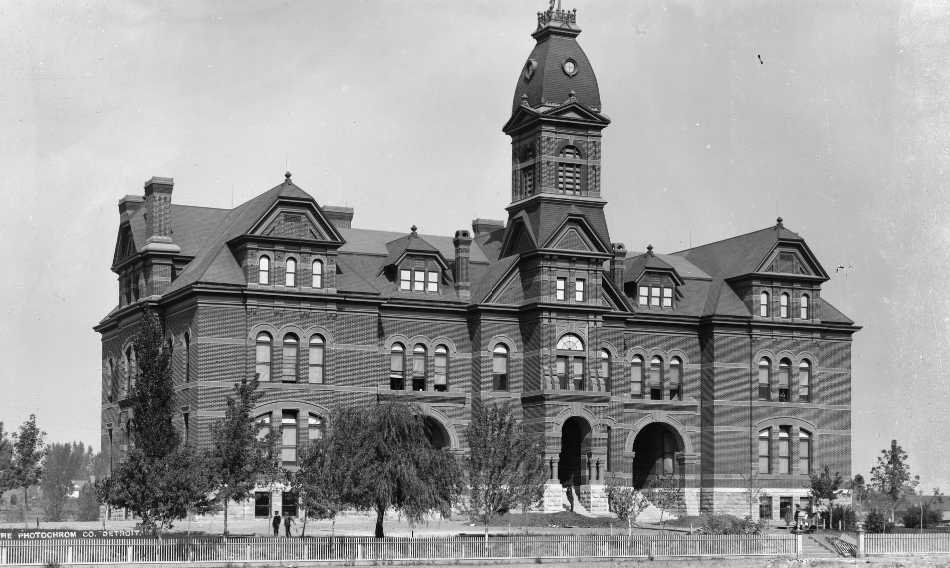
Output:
x=288 y=520
x=802 y=519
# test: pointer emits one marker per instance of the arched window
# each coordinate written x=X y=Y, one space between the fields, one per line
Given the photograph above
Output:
x=441 y=368
x=109 y=380
x=676 y=379
x=397 y=367
x=131 y=370
x=290 y=272
x=784 y=449
x=569 y=174
x=419 y=356
x=765 y=372
x=570 y=342
x=784 y=370
x=765 y=455
x=636 y=377
x=499 y=366
x=804 y=452
x=764 y=304
x=263 y=270
x=262 y=423
x=527 y=174
x=783 y=305
x=262 y=356
x=804 y=381
x=316 y=427
x=289 y=359
x=288 y=437
x=318 y=274
x=316 y=360
x=568 y=366
x=803 y=305
x=656 y=379
x=186 y=342
x=605 y=368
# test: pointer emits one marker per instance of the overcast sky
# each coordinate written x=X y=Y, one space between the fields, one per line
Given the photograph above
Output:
x=833 y=114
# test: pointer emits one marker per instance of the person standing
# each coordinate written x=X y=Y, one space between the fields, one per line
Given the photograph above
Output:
x=798 y=517
x=275 y=522
x=288 y=520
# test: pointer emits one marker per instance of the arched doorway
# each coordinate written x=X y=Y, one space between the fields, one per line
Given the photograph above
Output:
x=654 y=451
x=436 y=433
x=575 y=443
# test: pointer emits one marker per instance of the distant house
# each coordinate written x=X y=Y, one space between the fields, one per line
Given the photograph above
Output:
x=941 y=504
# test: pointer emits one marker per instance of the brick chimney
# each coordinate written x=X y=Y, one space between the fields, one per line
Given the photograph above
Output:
x=158 y=210
x=482 y=226
x=463 y=245
x=616 y=264
x=341 y=217
x=129 y=205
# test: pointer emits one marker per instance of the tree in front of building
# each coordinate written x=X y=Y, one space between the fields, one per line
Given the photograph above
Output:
x=238 y=458
x=161 y=480
x=88 y=503
x=504 y=465
x=64 y=463
x=323 y=477
x=891 y=478
x=29 y=451
x=859 y=491
x=392 y=464
x=626 y=502
x=825 y=486
x=664 y=492
x=6 y=462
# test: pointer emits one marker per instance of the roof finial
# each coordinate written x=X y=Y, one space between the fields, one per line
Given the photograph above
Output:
x=524 y=99
x=287 y=175
x=779 y=222
x=413 y=229
x=650 y=250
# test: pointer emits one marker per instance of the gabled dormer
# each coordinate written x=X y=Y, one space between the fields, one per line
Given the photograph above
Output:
x=652 y=283
x=415 y=267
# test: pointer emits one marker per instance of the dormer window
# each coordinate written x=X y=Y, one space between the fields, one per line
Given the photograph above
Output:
x=432 y=279
x=405 y=280
x=655 y=296
x=420 y=280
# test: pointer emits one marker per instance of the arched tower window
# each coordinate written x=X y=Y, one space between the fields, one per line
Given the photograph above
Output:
x=605 y=368
x=783 y=305
x=636 y=377
x=316 y=360
x=527 y=173
x=765 y=454
x=803 y=305
x=289 y=359
x=262 y=357
x=499 y=375
x=804 y=452
x=263 y=270
x=397 y=367
x=804 y=381
x=131 y=370
x=676 y=379
x=568 y=173
x=765 y=372
x=570 y=362
x=419 y=364
x=186 y=341
x=656 y=378
x=764 y=304
x=317 y=274
x=441 y=368
x=290 y=274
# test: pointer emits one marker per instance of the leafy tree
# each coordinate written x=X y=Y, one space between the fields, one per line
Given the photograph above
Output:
x=665 y=493
x=859 y=490
x=626 y=502
x=29 y=451
x=878 y=522
x=824 y=485
x=321 y=479
x=88 y=503
x=237 y=456
x=504 y=465
x=891 y=476
x=63 y=465
x=923 y=514
x=752 y=490
x=6 y=462
x=161 y=479
x=392 y=464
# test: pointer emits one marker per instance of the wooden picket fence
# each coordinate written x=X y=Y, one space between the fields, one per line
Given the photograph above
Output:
x=355 y=549
x=881 y=544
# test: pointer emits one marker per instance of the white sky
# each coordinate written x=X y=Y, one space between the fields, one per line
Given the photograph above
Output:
x=396 y=109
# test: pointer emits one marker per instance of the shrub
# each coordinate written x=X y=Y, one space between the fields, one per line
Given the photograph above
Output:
x=911 y=517
x=728 y=524
x=843 y=513
x=878 y=522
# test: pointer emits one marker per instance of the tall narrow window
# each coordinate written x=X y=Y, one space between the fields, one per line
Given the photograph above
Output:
x=656 y=379
x=803 y=305
x=432 y=282
x=419 y=279
x=784 y=449
x=262 y=423
x=186 y=424
x=655 y=296
x=263 y=270
x=579 y=290
x=288 y=437
x=764 y=304
x=605 y=368
x=419 y=356
x=109 y=380
x=783 y=380
x=289 y=368
x=765 y=456
x=644 y=297
x=262 y=357
x=667 y=297
x=804 y=381
x=676 y=379
x=765 y=370
x=804 y=452
x=187 y=355
x=783 y=305
x=500 y=368
x=636 y=377
x=560 y=365
x=560 y=290
x=405 y=280
x=317 y=274
x=569 y=174
x=315 y=427
x=290 y=273
x=397 y=367
x=131 y=370
x=577 y=373
x=317 y=358
x=527 y=180
x=441 y=377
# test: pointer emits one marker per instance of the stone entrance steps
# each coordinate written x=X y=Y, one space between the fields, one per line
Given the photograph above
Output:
x=816 y=546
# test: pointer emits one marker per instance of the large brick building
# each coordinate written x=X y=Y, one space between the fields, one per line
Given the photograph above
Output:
x=710 y=364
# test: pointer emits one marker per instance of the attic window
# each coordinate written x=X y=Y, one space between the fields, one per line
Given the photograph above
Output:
x=570 y=67
x=419 y=280
x=655 y=296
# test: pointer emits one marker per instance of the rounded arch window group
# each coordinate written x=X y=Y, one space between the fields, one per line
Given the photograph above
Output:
x=294 y=358
x=778 y=383
x=415 y=369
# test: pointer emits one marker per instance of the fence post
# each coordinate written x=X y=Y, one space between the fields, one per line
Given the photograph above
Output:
x=860 y=542
x=799 y=546
x=129 y=554
x=69 y=555
x=3 y=555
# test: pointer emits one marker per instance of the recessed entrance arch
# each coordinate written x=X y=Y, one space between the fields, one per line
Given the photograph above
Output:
x=654 y=453
x=575 y=444
x=436 y=433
